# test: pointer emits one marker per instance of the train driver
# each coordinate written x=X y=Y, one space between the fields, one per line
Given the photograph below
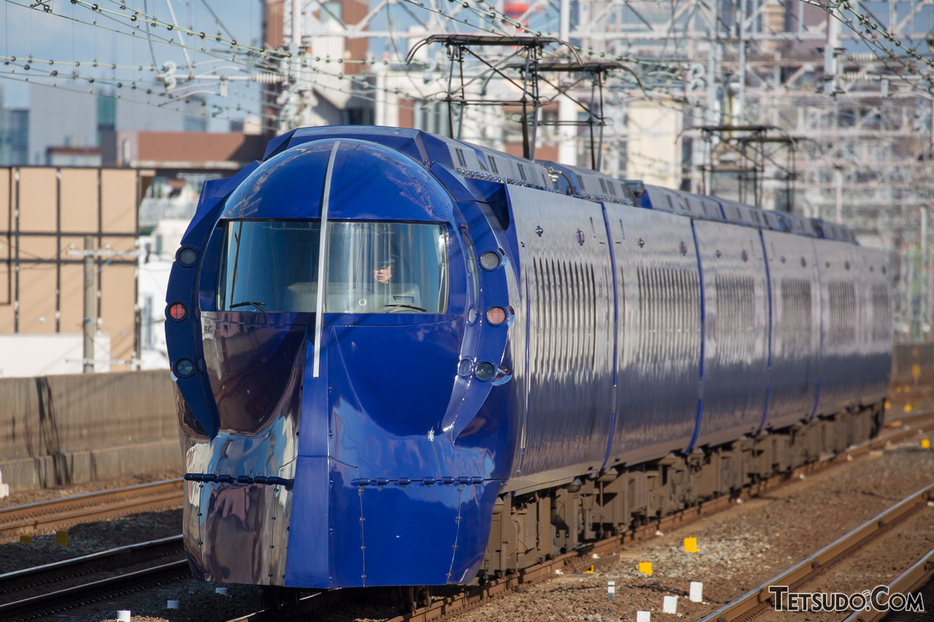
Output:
x=382 y=268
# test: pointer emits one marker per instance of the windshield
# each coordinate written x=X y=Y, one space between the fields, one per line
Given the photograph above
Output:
x=372 y=267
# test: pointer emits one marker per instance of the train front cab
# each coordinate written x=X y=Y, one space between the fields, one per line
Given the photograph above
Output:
x=330 y=455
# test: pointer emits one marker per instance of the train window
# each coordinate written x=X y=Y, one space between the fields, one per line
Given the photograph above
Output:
x=493 y=164
x=522 y=173
x=460 y=158
x=260 y=263
x=372 y=267
x=381 y=267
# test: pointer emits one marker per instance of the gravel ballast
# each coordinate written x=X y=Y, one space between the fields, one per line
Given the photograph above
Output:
x=738 y=550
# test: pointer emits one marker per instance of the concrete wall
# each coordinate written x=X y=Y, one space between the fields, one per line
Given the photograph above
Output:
x=58 y=430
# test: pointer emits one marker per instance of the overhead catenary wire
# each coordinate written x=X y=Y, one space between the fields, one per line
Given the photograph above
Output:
x=268 y=60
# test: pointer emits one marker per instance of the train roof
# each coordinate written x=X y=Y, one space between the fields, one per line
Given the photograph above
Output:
x=591 y=185
x=483 y=164
x=714 y=208
x=489 y=165
x=678 y=202
x=587 y=184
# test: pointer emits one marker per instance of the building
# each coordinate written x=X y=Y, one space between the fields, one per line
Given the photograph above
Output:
x=73 y=156
x=68 y=256
x=63 y=118
x=191 y=151
x=14 y=134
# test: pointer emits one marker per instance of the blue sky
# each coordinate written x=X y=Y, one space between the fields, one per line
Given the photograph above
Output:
x=72 y=33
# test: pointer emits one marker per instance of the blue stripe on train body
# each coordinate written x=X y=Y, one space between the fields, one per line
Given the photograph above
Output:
x=634 y=326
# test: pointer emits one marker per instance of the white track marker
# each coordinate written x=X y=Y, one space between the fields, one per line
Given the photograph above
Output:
x=670 y=604
x=643 y=616
x=611 y=590
x=697 y=592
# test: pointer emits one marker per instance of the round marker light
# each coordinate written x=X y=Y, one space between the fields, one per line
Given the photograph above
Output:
x=177 y=311
x=489 y=260
x=184 y=368
x=187 y=256
x=485 y=371
x=496 y=316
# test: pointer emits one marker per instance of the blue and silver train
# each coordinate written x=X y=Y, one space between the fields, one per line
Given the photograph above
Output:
x=402 y=359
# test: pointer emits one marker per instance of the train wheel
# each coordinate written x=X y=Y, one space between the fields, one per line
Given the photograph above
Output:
x=407 y=595
x=424 y=596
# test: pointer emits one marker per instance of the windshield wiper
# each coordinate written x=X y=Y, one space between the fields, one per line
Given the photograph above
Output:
x=258 y=305
x=404 y=306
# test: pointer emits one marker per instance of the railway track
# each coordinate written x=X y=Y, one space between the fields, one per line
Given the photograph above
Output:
x=910 y=581
x=168 y=565
x=603 y=552
x=62 y=513
x=773 y=595
x=26 y=594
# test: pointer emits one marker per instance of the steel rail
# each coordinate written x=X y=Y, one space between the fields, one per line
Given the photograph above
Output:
x=583 y=557
x=67 y=511
x=909 y=581
x=761 y=599
x=109 y=560
x=37 y=607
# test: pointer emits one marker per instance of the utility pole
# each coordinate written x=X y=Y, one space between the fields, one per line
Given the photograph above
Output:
x=830 y=52
x=567 y=146
x=89 y=254
x=90 y=317
x=712 y=116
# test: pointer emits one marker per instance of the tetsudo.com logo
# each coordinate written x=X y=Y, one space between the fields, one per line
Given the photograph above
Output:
x=878 y=598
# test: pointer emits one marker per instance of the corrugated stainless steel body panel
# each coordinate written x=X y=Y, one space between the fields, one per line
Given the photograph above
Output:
x=568 y=289
x=736 y=330
x=795 y=327
x=659 y=332
x=877 y=327
x=855 y=361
